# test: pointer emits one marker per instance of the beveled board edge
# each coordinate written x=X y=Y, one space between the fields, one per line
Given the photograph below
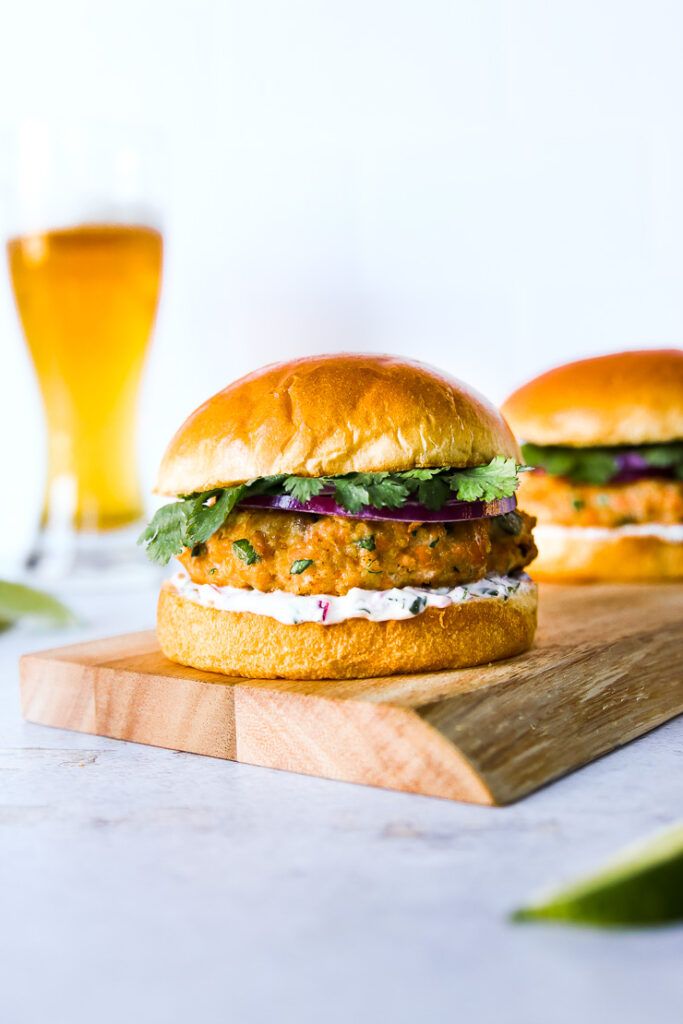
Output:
x=557 y=720
x=348 y=740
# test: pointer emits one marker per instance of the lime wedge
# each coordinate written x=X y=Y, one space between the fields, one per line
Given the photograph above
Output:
x=641 y=887
x=18 y=602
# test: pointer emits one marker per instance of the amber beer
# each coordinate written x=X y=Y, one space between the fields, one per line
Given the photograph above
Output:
x=87 y=297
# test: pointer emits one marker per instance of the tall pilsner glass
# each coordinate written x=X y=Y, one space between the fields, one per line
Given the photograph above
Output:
x=86 y=272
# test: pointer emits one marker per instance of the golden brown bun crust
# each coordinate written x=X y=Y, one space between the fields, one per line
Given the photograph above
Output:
x=258 y=647
x=333 y=414
x=627 y=398
x=566 y=555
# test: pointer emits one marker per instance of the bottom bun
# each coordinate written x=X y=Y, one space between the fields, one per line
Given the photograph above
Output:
x=259 y=647
x=582 y=554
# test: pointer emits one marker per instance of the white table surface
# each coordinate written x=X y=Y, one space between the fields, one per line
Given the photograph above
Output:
x=144 y=885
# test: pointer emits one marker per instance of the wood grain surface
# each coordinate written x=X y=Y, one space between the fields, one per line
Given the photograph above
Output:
x=606 y=667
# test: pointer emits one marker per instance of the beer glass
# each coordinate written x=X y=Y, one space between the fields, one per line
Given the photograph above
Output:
x=85 y=261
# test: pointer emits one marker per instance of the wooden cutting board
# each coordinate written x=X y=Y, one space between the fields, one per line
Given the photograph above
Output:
x=606 y=667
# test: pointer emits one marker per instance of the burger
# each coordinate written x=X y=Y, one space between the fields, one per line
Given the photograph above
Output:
x=343 y=516
x=605 y=436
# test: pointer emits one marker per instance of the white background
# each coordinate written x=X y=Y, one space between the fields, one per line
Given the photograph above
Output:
x=489 y=186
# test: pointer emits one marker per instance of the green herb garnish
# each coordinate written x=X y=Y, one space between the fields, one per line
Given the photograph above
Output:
x=188 y=522
x=368 y=543
x=303 y=488
x=665 y=456
x=196 y=517
x=600 y=465
x=245 y=552
x=485 y=483
x=431 y=487
x=301 y=564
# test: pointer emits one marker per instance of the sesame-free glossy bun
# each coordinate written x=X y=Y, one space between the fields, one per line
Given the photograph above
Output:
x=329 y=415
x=629 y=398
x=576 y=554
x=259 y=647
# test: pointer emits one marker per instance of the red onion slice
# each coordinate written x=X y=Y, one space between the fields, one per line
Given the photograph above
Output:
x=411 y=512
x=631 y=461
x=629 y=476
x=626 y=474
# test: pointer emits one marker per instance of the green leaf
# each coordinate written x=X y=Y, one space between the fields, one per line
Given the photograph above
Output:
x=245 y=552
x=484 y=483
x=204 y=520
x=368 y=543
x=300 y=566
x=642 y=887
x=303 y=488
x=18 y=602
x=351 y=492
x=434 y=492
x=195 y=518
x=556 y=461
x=266 y=484
x=664 y=456
x=598 y=465
x=165 y=536
x=594 y=467
x=419 y=474
x=188 y=522
x=386 y=491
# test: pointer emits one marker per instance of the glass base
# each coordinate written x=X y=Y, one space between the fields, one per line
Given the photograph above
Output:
x=105 y=560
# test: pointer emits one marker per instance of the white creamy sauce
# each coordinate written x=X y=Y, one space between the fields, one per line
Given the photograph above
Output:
x=671 y=532
x=376 y=605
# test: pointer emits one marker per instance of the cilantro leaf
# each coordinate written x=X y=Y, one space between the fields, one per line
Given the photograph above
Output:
x=205 y=519
x=300 y=566
x=386 y=492
x=166 y=535
x=582 y=465
x=484 y=483
x=556 y=461
x=594 y=467
x=266 y=484
x=367 y=543
x=665 y=456
x=303 y=488
x=195 y=518
x=419 y=474
x=245 y=552
x=186 y=523
x=433 y=493
x=351 y=492
x=599 y=465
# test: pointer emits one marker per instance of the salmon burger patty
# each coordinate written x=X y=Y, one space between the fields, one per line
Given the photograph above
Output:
x=555 y=499
x=303 y=553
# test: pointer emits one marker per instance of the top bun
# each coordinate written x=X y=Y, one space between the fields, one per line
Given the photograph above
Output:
x=329 y=415
x=629 y=398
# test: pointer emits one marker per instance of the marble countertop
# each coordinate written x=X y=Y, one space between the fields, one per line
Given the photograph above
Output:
x=146 y=885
